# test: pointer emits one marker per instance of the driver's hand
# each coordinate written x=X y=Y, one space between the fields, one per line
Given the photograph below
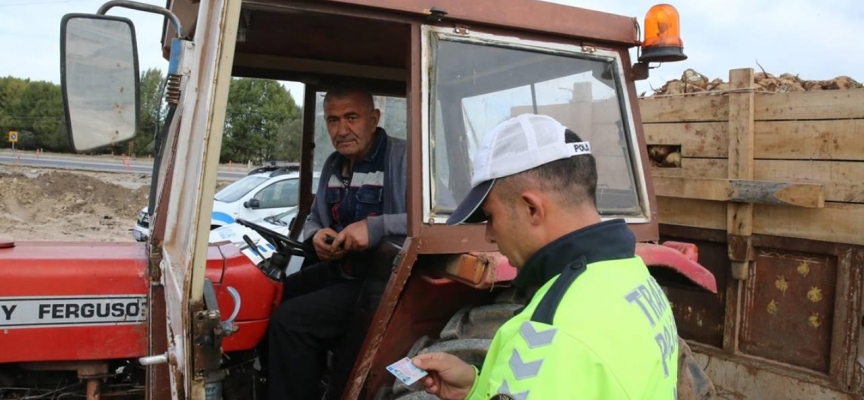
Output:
x=324 y=251
x=354 y=237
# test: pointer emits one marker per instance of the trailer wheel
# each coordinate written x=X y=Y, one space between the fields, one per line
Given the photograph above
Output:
x=469 y=333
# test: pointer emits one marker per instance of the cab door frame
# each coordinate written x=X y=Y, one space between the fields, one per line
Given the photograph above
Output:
x=186 y=187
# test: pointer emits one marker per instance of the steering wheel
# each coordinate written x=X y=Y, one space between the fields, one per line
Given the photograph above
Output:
x=283 y=243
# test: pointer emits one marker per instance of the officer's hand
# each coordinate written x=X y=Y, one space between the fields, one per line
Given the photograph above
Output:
x=325 y=251
x=449 y=377
x=354 y=237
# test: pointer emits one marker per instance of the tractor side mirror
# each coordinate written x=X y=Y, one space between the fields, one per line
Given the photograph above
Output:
x=99 y=79
x=252 y=203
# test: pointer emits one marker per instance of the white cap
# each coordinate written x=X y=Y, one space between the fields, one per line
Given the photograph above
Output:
x=516 y=145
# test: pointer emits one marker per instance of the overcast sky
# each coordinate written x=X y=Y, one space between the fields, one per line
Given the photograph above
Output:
x=817 y=39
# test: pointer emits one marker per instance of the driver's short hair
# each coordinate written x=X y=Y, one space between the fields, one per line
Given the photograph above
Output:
x=345 y=91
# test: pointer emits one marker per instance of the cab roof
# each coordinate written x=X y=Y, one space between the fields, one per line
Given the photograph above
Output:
x=280 y=28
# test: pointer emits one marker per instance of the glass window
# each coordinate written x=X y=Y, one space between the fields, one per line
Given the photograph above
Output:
x=284 y=193
x=476 y=85
x=238 y=189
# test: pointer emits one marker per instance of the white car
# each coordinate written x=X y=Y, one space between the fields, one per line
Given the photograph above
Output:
x=254 y=197
x=141 y=230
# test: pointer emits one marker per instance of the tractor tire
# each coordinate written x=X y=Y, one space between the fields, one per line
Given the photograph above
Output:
x=693 y=382
x=469 y=333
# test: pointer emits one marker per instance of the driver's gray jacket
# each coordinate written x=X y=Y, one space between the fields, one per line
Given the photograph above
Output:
x=393 y=224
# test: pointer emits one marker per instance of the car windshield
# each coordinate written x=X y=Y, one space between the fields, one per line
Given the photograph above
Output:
x=236 y=190
x=284 y=218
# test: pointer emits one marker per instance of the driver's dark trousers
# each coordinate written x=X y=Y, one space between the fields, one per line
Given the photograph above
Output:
x=318 y=309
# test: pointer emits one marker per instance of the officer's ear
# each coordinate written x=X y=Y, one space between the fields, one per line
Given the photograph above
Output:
x=535 y=207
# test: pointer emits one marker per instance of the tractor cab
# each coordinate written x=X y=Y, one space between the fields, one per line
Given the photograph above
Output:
x=443 y=74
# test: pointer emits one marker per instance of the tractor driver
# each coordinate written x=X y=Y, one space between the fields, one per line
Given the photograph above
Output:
x=360 y=202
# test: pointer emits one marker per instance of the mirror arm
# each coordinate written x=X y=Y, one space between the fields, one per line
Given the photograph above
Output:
x=146 y=8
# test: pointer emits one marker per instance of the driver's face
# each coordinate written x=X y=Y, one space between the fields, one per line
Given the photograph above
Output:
x=351 y=122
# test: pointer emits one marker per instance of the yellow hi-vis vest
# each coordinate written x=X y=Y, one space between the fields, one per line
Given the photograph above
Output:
x=612 y=337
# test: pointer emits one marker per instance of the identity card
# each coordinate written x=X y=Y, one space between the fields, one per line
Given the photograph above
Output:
x=405 y=371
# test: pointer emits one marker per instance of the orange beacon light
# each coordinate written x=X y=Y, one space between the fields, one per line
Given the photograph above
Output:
x=662 y=35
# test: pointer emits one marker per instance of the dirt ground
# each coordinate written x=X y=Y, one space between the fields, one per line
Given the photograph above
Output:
x=49 y=204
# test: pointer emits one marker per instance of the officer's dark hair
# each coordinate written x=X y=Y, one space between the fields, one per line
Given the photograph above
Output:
x=573 y=180
x=345 y=91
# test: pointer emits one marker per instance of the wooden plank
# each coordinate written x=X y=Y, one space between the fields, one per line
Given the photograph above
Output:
x=688 y=212
x=826 y=140
x=697 y=168
x=697 y=139
x=684 y=109
x=825 y=104
x=802 y=140
x=837 y=222
x=741 y=124
x=808 y=195
x=740 y=216
x=843 y=180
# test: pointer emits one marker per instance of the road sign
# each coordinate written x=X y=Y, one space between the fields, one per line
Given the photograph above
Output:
x=13 y=136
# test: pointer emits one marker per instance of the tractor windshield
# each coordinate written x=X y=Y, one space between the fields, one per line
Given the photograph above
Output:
x=476 y=83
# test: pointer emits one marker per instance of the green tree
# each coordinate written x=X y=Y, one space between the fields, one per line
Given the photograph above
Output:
x=257 y=120
x=262 y=120
x=11 y=91
x=151 y=113
x=44 y=104
x=289 y=140
x=35 y=110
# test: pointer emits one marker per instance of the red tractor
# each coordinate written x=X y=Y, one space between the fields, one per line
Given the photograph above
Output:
x=176 y=317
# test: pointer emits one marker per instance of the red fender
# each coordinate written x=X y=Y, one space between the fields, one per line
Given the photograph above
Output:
x=680 y=257
x=677 y=256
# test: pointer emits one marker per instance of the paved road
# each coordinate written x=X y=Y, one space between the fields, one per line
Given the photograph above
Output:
x=95 y=165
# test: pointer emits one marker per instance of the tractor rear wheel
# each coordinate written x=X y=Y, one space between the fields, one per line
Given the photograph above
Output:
x=467 y=335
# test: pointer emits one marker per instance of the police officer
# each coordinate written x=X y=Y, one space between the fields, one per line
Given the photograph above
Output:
x=599 y=326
